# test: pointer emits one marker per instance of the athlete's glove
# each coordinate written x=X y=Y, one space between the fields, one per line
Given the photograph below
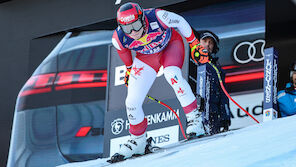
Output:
x=127 y=74
x=198 y=52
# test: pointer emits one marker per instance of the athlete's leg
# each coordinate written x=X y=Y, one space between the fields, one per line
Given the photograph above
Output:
x=140 y=81
x=172 y=60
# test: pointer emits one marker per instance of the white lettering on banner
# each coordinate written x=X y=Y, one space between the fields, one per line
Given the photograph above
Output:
x=267 y=78
x=201 y=86
x=275 y=72
x=160 y=137
x=161 y=117
x=119 y=75
x=207 y=105
x=158 y=118
x=207 y=97
x=164 y=136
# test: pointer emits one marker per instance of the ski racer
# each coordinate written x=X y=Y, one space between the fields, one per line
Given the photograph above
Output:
x=152 y=34
x=287 y=97
x=217 y=119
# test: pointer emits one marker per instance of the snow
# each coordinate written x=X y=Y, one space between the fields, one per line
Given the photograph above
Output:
x=269 y=144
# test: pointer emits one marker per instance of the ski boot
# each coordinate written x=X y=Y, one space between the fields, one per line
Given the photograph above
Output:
x=195 y=127
x=135 y=146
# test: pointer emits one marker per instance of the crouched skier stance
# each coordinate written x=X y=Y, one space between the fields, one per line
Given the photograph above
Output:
x=151 y=34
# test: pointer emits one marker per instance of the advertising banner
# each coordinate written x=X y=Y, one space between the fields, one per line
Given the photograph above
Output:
x=203 y=87
x=207 y=83
x=270 y=84
x=241 y=41
x=251 y=102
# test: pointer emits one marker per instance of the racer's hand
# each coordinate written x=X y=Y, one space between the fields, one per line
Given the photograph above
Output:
x=198 y=52
x=127 y=74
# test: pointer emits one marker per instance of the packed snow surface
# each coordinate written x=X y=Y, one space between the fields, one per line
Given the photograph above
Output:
x=269 y=144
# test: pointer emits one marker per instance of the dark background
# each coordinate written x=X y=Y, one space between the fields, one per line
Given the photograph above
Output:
x=39 y=23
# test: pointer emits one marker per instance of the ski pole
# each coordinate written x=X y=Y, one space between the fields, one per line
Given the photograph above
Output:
x=226 y=93
x=179 y=121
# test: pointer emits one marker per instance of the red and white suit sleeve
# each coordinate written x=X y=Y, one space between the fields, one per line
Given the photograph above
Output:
x=124 y=53
x=176 y=21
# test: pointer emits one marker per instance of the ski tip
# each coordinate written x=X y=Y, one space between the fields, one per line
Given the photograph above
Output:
x=191 y=136
x=116 y=158
x=154 y=149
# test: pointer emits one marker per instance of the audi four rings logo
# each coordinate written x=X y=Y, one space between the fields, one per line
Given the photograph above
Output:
x=246 y=51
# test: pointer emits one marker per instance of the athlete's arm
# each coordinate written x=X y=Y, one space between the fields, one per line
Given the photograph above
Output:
x=198 y=52
x=124 y=53
x=176 y=21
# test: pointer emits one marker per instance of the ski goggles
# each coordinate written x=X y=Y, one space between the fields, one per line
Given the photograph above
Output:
x=136 y=26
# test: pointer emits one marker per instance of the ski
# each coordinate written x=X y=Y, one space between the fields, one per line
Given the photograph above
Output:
x=117 y=158
x=191 y=140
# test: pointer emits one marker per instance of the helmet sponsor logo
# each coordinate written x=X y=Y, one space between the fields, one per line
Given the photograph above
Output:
x=127 y=18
